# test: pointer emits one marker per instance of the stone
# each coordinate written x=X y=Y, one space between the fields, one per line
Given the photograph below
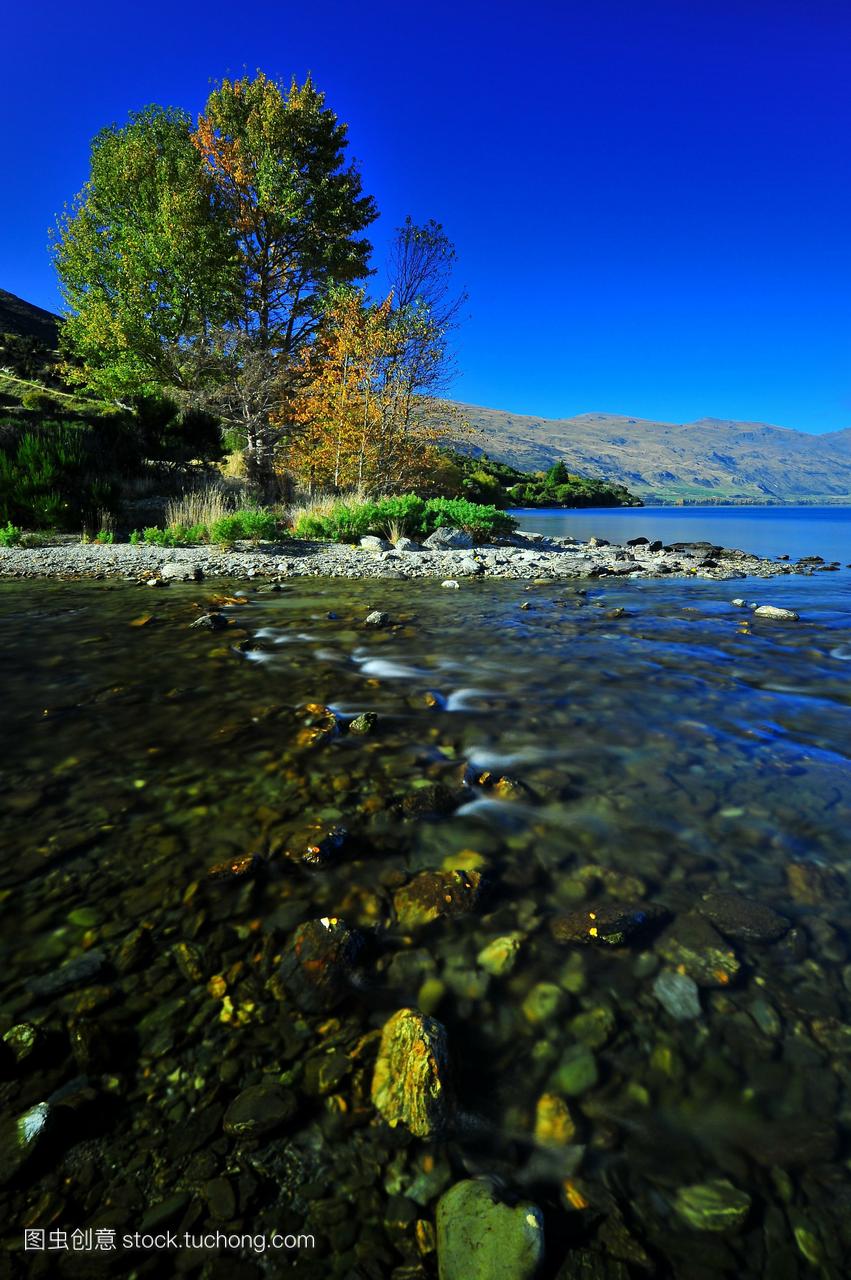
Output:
x=451 y=584
x=210 y=622
x=410 y=1084
x=594 y=1027
x=316 y=967
x=317 y=845
x=470 y=567
x=577 y=1072
x=372 y=543
x=20 y=1138
x=554 y=1125
x=678 y=995
x=78 y=972
x=712 y=1206
x=433 y=894
x=181 y=571
x=776 y=613
x=364 y=723
x=743 y=919
x=434 y=798
x=377 y=618
x=739 y=603
x=607 y=924
x=445 y=539
x=22 y=1040
x=692 y=946
x=259 y=1110
x=407 y=544
x=587 y=1264
x=479 y=1238
x=500 y=955
x=543 y=1002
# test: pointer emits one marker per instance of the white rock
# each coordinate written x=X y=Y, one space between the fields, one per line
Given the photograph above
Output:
x=775 y=612
x=450 y=582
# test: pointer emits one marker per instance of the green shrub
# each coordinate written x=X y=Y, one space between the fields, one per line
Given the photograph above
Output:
x=250 y=523
x=350 y=521
x=105 y=536
x=481 y=521
x=10 y=536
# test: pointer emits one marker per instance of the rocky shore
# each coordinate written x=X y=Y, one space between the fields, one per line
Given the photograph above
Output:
x=448 y=556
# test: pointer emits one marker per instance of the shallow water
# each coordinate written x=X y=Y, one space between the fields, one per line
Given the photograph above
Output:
x=763 y=531
x=654 y=756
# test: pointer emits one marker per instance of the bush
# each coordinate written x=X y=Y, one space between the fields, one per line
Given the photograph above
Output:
x=53 y=476
x=10 y=536
x=418 y=517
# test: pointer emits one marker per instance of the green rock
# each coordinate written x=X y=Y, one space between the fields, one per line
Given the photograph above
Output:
x=543 y=1002
x=594 y=1027
x=480 y=1239
x=364 y=723
x=577 y=1072
x=410 y=1085
x=712 y=1206
x=259 y=1110
x=500 y=955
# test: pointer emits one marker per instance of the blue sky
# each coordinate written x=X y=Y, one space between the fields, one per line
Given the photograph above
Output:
x=651 y=202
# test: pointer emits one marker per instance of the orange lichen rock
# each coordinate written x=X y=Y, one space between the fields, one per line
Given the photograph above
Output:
x=410 y=1085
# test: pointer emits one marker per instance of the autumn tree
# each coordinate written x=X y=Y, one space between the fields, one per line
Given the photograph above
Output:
x=145 y=257
x=277 y=164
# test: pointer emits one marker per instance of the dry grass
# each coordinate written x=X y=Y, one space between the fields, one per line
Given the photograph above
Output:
x=198 y=506
x=319 y=505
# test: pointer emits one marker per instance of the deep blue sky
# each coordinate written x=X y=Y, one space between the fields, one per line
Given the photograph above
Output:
x=651 y=202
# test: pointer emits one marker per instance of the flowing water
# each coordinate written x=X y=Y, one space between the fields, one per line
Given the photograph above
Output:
x=640 y=745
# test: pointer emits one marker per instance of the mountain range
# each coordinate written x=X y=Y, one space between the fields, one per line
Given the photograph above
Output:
x=705 y=461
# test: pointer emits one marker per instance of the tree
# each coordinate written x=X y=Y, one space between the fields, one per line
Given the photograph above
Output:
x=276 y=162
x=145 y=257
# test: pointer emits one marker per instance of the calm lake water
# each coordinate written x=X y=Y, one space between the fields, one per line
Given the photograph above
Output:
x=763 y=531
x=615 y=751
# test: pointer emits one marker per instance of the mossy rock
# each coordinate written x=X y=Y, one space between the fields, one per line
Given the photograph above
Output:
x=479 y=1238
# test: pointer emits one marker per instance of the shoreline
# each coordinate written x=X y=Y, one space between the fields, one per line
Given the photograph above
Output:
x=523 y=556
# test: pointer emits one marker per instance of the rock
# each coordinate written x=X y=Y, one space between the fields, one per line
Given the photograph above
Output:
x=316 y=968
x=377 y=618
x=812 y=884
x=221 y=1199
x=434 y=798
x=432 y=894
x=586 y=1264
x=451 y=584
x=317 y=845
x=410 y=1084
x=577 y=1072
x=594 y=1027
x=364 y=723
x=20 y=1138
x=244 y=868
x=135 y=949
x=543 y=1002
x=22 y=1041
x=470 y=567
x=608 y=924
x=776 y=613
x=638 y=542
x=712 y=1206
x=554 y=1125
x=259 y=1110
x=741 y=918
x=478 y=1238
x=692 y=946
x=739 y=603
x=500 y=955
x=210 y=622
x=449 y=540
x=371 y=543
x=678 y=995
x=78 y=972
x=181 y=571
x=407 y=544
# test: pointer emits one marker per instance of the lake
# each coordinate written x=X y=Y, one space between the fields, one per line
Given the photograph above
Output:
x=631 y=802
x=763 y=531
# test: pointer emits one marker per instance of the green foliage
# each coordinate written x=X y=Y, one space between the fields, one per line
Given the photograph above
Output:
x=11 y=535
x=350 y=521
x=484 y=480
x=251 y=523
x=55 y=476
x=106 y=537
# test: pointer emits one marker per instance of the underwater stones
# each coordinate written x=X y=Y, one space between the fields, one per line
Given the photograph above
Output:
x=712 y=1206
x=377 y=618
x=136 y=948
x=605 y=924
x=811 y=884
x=433 y=798
x=209 y=622
x=678 y=995
x=500 y=954
x=479 y=1238
x=577 y=1071
x=259 y=1110
x=78 y=972
x=20 y=1138
x=433 y=894
x=364 y=723
x=594 y=1027
x=316 y=846
x=543 y=1002
x=316 y=967
x=743 y=919
x=410 y=1083
x=554 y=1125
x=242 y=868
x=446 y=539
x=319 y=725
x=777 y=614
x=22 y=1040
x=692 y=946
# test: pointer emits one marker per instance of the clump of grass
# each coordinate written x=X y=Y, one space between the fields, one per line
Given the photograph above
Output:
x=11 y=535
x=202 y=506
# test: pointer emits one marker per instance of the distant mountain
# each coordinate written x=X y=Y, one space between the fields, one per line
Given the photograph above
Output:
x=705 y=461
x=18 y=316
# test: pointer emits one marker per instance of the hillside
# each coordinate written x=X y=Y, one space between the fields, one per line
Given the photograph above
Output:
x=709 y=460
x=28 y=321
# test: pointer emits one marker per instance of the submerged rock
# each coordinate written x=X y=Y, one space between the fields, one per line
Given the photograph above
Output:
x=364 y=723
x=242 y=868
x=410 y=1084
x=776 y=613
x=500 y=955
x=22 y=1040
x=259 y=1110
x=554 y=1125
x=20 y=1138
x=741 y=918
x=316 y=968
x=693 y=947
x=377 y=618
x=209 y=622
x=74 y=973
x=607 y=924
x=479 y=1238
x=317 y=845
x=433 y=798
x=712 y=1206
x=678 y=995
x=436 y=893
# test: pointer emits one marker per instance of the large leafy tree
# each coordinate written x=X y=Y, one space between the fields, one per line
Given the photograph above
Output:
x=277 y=163
x=146 y=258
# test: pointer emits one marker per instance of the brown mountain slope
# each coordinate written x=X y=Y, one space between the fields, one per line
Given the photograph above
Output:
x=27 y=320
x=708 y=460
